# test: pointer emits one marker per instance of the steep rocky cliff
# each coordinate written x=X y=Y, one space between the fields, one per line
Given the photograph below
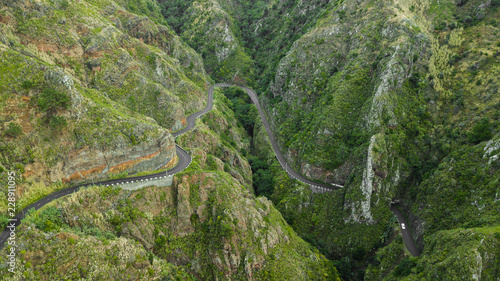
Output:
x=208 y=225
x=220 y=143
x=211 y=28
x=397 y=101
x=89 y=90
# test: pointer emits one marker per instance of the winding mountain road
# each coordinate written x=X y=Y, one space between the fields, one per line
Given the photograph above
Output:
x=185 y=161
x=321 y=187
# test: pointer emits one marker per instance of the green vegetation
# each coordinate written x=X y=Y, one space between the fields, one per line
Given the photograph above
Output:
x=173 y=12
x=246 y=114
x=268 y=35
x=481 y=131
x=50 y=101
x=395 y=102
x=4 y=220
x=49 y=219
x=48 y=78
x=244 y=110
x=330 y=102
x=263 y=180
x=439 y=260
x=128 y=213
x=404 y=267
x=27 y=84
x=13 y=130
x=121 y=175
x=57 y=122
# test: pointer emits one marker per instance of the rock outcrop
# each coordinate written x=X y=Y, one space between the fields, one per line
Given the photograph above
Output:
x=129 y=79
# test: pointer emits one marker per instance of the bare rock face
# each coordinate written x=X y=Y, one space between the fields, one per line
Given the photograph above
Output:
x=116 y=67
x=116 y=145
x=240 y=231
x=183 y=208
x=88 y=162
x=206 y=223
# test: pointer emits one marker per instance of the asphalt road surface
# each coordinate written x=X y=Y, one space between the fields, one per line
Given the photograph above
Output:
x=185 y=160
x=277 y=152
x=191 y=119
x=407 y=239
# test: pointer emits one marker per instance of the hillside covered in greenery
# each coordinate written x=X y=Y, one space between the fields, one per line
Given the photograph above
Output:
x=398 y=101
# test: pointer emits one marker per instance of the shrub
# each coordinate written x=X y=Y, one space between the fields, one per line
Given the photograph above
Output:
x=47 y=220
x=64 y=4
x=13 y=130
x=263 y=181
x=342 y=14
x=404 y=267
x=4 y=219
x=19 y=167
x=133 y=139
x=57 y=122
x=440 y=26
x=481 y=131
x=27 y=84
x=151 y=59
x=51 y=100
x=211 y=163
x=121 y=175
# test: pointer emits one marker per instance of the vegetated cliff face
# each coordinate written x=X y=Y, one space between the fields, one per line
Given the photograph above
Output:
x=208 y=225
x=67 y=253
x=334 y=95
x=87 y=90
x=341 y=83
x=210 y=28
x=219 y=142
x=389 y=99
x=451 y=254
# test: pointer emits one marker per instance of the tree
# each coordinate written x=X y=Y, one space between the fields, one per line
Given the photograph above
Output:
x=481 y=131
x=263 y=182
x=51 y=100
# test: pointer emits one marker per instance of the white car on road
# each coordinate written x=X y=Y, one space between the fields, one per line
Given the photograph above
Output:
x=403 y=226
